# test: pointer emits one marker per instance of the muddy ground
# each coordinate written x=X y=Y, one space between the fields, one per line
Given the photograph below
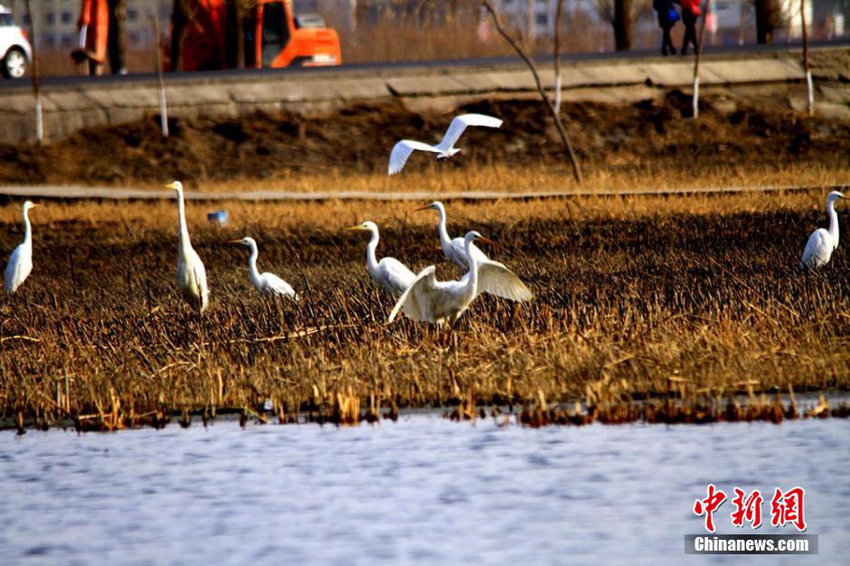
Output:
x=616 y=138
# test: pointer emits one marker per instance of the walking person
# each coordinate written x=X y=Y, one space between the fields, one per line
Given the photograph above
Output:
x=667 y=18
x=690 y=12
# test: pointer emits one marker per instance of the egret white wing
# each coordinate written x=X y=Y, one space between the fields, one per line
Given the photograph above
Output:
x=200 y=277
x=496 y=279
x=396 y=276
x=276 y=286
x=197 y=280
x=401 y=152
x=417 y=299
x=17 y=270
x=460 y=123
x=818 y=249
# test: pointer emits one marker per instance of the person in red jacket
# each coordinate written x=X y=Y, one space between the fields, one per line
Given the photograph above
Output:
x=690 y=12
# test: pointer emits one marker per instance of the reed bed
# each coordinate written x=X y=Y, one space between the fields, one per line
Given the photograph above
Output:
x=637 y=299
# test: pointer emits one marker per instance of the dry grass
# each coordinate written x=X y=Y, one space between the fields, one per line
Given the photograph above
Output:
x=438 y=178
x=633 y=295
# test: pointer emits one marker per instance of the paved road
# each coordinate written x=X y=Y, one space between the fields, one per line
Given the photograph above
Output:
x=65 y=82
x=8 y=193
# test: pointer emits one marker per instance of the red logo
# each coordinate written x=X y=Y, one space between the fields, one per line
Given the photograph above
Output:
x=785 y=507
x=788 y=508
x=748 y=509
x=709 y=505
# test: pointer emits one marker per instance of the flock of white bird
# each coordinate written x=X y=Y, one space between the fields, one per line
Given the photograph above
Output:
x=420 y=296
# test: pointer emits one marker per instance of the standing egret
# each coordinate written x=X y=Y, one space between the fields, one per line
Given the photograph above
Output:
x=429 y=300
x=20 y=262
x=191 y=275
x=266 y=283
x=445 y=149
x=389 y=273
x=492 y=274
x=823 y=242
x=453 y=250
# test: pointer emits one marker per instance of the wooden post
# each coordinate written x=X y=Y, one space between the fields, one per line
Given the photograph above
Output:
x=558 y=13
x=163 y=107
x=698 y=57
x=810 y=88
x=36 y=90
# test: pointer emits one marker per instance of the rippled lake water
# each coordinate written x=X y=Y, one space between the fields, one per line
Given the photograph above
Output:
x=420 y=491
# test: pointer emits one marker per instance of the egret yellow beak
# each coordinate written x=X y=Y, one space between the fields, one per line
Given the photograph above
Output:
x=34 y=205
x=486 y=240
x=358 y=227
x=420 y=209
x=172 y=186
x=235 y=242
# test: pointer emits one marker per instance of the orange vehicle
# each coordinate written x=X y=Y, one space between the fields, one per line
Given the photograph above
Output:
x=271 y=36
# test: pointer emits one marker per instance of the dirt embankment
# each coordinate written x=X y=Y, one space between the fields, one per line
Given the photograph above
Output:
x=655 y=134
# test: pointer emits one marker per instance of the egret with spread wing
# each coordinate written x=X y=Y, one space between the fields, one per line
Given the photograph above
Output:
x=266 y=283
x=445 y=149
x=389 y=273
x=429 y=300
x=191 y=275
x=492 y=274
x=20 y=262
x=823 y=242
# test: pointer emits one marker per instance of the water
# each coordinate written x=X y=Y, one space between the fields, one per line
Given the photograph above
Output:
x=420 y=491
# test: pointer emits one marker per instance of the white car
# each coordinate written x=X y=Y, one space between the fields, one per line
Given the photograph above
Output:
x=15 y=50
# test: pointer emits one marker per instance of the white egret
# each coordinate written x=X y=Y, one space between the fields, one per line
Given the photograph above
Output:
x=823 y=242
x=266 y=283
x=492 y=274
x=191 y=275
x=20 y=262
x=445 y=149
x=429 y=300
x=389 y=273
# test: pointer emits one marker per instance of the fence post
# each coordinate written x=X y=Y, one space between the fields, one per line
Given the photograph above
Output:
x=36 y=90
x=697 y=59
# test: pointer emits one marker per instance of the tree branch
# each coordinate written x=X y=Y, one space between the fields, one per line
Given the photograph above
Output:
x=564 y=139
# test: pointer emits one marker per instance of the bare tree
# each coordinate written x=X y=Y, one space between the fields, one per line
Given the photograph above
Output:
x=36 y=82
x=181 y=14
x=622 y=15
x=810 y=90
x=516 y=47
x=117 y=38
x=769 y=17
x=559 y=12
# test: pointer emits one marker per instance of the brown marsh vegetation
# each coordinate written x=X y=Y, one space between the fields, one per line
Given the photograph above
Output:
x=650 y=143
x=650 y=307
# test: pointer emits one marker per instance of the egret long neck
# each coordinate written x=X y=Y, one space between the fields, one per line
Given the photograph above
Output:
x=371 y=258
x=833 y=221
x=472 y=281
x=441 y=228
x=183 y=243
x=27 y=228
x=252 y=263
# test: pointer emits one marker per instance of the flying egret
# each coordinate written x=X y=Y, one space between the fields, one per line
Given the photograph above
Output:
x=191 y=275
x=823 y=242
x=20 y=262
x=492 y=274
x=429 y=300
x=266 y=283
x=389 y=273
x=445 y=149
